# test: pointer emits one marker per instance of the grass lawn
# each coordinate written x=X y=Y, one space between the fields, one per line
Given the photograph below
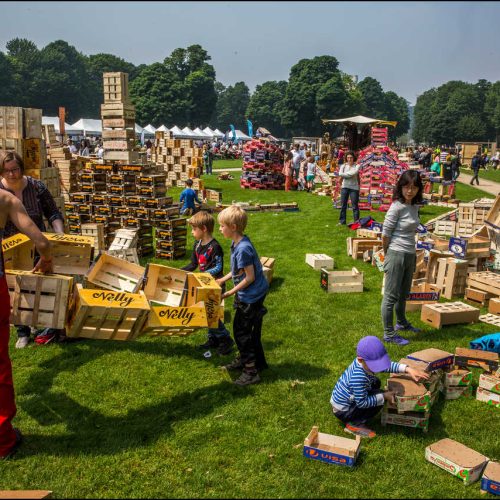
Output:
x=222 y=164
x=490 y=174
x=154 y=419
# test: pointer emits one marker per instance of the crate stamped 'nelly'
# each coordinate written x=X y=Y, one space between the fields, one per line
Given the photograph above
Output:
x=18 y=252
x=38 y=300
x=116 y=274
x=331 y=449
x=105 y=314
x=72 y=253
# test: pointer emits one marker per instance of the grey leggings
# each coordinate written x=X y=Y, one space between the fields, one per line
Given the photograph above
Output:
x=398 y=268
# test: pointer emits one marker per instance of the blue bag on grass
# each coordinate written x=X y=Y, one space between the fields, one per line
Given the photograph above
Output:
x=489 y=342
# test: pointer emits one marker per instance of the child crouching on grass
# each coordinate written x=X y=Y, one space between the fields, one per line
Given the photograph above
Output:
x=250 y=290
x=357 y=397
x=209 y=257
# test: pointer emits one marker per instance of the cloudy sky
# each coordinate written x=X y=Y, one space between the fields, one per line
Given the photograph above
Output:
x=408 y=47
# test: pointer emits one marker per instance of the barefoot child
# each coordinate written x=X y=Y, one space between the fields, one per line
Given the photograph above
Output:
x=357 y=397
x=250 y=290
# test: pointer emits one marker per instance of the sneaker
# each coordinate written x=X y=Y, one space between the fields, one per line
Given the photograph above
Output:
x=359 y=430
x=15 y=447
x=225 y=346
x=235 y=364
x=408 y=328
x=22 y=342
x=212 y=342
x=341 y=223
x=247 y=378
x=45 y=337
x=396 y=339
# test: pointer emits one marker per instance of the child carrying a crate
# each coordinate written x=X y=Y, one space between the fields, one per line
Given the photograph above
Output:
x=357 y=397
x=209 y=257
x=188 y=198
x=250 y=290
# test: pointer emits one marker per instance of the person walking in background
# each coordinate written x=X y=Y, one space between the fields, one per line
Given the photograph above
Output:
x=475 y=165
x=288 y=171
x=350 y=188
x=208 y=158
x=398 y=241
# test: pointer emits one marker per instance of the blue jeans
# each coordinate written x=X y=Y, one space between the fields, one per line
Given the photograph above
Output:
x=345 y=193
x=219 y=333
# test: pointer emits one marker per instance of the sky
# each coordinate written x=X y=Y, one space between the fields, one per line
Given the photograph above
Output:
x=409 y=47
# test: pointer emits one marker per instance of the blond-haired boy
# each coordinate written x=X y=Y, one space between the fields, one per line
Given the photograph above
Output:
x=209 y=257
x=250 y=290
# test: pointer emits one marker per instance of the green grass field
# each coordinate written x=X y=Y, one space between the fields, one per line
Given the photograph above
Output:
x=153 y=418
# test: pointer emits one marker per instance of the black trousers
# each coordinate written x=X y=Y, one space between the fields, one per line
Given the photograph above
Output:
x=247 y=332
x=357 y=416
x=475 y=176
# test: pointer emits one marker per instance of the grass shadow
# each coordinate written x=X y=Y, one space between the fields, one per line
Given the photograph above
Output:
x=276 y=284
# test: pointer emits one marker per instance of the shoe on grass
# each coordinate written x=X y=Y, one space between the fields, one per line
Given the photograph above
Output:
x=15 y=446
x=46 y=336
x=408 y=328
x=235 y=364
x=396 y=339
x=22 y=342
x=247 y=378
x=359 y=430
x=212 y=342
x=225 y=346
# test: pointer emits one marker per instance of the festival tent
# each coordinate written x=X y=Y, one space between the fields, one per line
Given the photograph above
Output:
x=54 y=120
x=240 y=136
x=149 y=128
x=218 y=133
x=176 y=131
x=162 y=128
x=202 y=134
x=210 y=133
x=88 y=126
x=189 y=134
x=360 y=120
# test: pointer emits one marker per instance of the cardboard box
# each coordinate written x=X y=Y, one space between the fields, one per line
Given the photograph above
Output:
x=490 y=482
x=25 y=494
x=457 y=377
x=490 y=382
x=431 y=384
x=457 y=459
x=486 y=360
x=341 y=281
x=410 y=395
x=319 y=260
x=455 y=392
x=414 y=419
x=449 y=313
x=433 y=358
x=331 y=449
x=489 y=397
x=423 y=293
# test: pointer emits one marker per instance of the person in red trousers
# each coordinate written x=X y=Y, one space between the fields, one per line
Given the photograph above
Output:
x=12 y=208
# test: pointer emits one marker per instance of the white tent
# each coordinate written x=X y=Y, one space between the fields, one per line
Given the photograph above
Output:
x=138 y=129
x=189 y=134
x=149 y=128
x=218 y=133
x=360 y=120
x=162 y=128
x=176 y=131
x=54 y=120
x=89 y=126
x=209 y=132
x=240 y=136
x=202 y=134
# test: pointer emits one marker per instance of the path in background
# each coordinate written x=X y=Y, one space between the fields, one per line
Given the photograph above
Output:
x=490 y=187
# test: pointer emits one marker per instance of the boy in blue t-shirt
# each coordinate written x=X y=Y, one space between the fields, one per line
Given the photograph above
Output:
x=250 y=288
x=189 y=196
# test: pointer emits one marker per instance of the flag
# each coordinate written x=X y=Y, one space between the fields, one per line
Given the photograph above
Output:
x=142 y=137
x=233 y=137
x=250 y=128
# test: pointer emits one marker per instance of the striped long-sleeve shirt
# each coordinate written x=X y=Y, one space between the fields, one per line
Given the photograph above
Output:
x=354 y=384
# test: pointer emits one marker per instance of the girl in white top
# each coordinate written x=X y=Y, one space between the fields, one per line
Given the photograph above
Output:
x=349 y=171
x=310 y=173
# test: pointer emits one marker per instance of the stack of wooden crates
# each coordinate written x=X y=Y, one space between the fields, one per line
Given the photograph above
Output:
x=180 y=158
x=118 y=119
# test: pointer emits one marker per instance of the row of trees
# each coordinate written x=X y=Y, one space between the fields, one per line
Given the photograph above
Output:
x=183 y=90
x=458 y=111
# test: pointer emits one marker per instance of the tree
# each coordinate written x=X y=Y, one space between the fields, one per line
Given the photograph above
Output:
x=8 y=88
x=492 y=108
x=422 y=115
x=231 y=106
x=264 y=105
x=397 y=110
x=374 y=98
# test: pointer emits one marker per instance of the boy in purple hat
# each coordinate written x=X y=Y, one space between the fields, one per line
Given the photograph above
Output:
x=357 y=397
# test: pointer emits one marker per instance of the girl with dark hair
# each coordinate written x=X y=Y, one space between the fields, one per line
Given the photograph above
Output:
x=349 y=172
x=398 y=239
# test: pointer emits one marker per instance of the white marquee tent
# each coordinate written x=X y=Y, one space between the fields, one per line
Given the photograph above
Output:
x=218 y=133
x=54 y=120
x=240 y=136
x=162 y=128
x=202 y=134
x=88 y=126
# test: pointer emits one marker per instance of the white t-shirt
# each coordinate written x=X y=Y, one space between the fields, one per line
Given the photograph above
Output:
x=311 y=169
x=296 y=158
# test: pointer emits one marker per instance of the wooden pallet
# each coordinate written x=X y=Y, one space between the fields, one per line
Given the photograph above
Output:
x=38 y=300
x=449 y=313
x=104 y=314
x=112 y=273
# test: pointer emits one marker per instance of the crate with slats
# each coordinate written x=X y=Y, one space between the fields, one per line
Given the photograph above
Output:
x=38 y=300
x=112 y=273
x=485 y=281
x=452 y=277
x=492 y=319
x=445 y=227
x=124 y=238
x=128 y=254
x=71 y=253
x=105 y=314
x=95 y=231
x=18 y=252
x=115 y=86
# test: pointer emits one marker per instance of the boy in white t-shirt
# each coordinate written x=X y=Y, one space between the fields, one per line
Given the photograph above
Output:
x=310 y=173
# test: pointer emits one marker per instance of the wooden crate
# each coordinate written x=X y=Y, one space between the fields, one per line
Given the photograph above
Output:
x=494 y=305
x=115 y=86
x=124 y=239
x=420 y=294
x=493 y=217
x=465 y=358
x=432 y=264
x=202 y=287
x=18 y=252
x=359 y=246
x=34 y=154
x=95 y=231
x=341 y=281
x=319 y=261
x=128 y=254
x=32 y=123
x=449 y=313
x=112 y=273
x=478 y=296
x=485 y=281
x=38 y=300
x=268 y=268
x=25 y=494
x=452 y=277
x=11 y=122
x=445 y=228
x=368 y=233
x=118 y=110
x=72 y=253
x=104 y=314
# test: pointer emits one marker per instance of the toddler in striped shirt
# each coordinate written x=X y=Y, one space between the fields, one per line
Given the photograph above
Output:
x=357 y=397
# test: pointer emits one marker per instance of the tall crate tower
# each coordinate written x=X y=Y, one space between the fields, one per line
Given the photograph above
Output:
x=118 y=119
